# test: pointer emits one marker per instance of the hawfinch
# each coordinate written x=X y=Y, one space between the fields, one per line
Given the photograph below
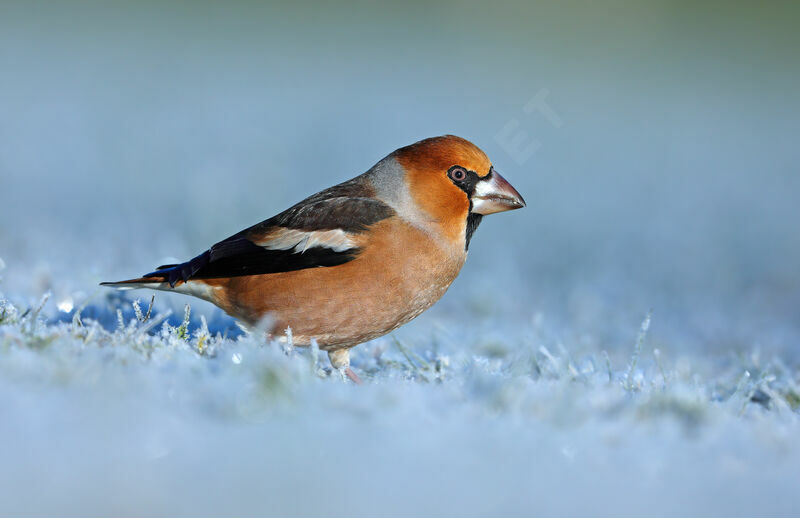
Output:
x=357 y=260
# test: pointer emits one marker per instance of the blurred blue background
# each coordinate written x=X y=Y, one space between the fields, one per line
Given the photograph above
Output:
x=661 y=173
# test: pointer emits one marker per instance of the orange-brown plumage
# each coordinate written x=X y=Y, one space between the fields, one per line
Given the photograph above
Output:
x=357 y=260
x=423 y=160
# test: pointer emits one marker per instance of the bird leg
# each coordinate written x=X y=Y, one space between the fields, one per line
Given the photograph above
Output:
x=340 y=359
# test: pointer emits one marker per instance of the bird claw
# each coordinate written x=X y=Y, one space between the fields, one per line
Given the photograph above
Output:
x=347 y=372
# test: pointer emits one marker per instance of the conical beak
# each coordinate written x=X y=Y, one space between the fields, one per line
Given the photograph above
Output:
x=494 y=194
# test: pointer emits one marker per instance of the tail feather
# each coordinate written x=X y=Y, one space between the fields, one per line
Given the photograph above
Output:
x=173 y=274
x=179 y=273
x=140 y=282
x=166 y=280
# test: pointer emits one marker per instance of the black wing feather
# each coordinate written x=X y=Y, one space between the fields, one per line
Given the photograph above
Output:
x=344 y=207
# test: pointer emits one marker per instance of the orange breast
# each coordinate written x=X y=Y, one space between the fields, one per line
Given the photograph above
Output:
x=401 y=272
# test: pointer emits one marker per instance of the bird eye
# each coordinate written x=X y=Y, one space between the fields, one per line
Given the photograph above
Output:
x=458 y=174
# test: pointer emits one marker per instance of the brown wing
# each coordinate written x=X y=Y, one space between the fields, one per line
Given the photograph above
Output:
x=316 y=232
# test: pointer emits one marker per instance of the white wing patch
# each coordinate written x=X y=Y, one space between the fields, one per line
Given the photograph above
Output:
x=299 y=240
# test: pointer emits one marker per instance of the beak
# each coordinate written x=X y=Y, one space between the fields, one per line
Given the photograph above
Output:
x=494 y=194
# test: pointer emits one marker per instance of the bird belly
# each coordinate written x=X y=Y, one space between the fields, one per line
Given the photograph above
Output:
x=390 y=283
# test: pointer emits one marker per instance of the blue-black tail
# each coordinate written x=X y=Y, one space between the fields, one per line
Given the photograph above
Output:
x=169 y=273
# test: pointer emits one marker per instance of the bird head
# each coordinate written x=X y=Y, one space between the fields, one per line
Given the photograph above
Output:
x=453 y=181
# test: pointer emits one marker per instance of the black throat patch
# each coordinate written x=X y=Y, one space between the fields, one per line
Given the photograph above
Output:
x=473 y=220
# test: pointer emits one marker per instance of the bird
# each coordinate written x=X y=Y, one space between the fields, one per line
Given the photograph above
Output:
x=354 y=261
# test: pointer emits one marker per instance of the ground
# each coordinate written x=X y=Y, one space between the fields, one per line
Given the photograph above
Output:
x=144 y=417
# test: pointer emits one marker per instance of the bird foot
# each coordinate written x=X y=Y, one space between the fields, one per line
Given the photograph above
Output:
x=340 y=359
x=347 y=373
x=353 y=376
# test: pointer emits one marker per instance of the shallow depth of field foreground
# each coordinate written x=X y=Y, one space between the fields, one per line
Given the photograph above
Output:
x=148 y=417
x=626 y=345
